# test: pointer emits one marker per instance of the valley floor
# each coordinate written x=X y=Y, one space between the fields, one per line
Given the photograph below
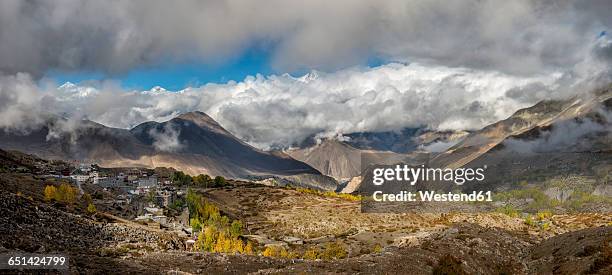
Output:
x=487 y=243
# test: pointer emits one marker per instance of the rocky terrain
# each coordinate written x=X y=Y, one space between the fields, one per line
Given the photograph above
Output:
x=464 y=249
x=414 y=243
x=300 y=220
x=31 y=226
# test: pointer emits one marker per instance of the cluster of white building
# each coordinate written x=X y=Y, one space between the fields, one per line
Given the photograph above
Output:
x=133 y=179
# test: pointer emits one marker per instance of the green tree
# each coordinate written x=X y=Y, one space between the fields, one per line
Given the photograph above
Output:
x=235 y=228
x=151 y=195
x=219 y=181
x=202 y=180
x=179 y=178
x=196 y=224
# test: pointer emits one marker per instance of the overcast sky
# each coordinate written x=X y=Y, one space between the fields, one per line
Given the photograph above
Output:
x=445 y=64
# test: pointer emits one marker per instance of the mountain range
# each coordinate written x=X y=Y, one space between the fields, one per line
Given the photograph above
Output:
x=572 y=135
x=553 y=137
x=192 y=142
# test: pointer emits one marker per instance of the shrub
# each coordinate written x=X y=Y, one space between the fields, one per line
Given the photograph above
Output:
x=311 y=254
x=91 y=208
x=542 y=215
x=334 y=251
x=509 y=210
x=529 y=221
x=330 y=194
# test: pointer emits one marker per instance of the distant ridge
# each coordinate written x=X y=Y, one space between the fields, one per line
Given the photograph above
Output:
x=192 y=142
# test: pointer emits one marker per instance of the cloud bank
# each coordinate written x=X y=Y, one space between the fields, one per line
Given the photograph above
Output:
x=461 y=64
x=568 y=136
x=282 y=110
x=518 y=37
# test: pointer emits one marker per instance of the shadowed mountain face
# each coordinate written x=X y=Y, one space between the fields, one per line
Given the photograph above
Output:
x=401 y=141
x=192 y=142
x=342 y=161
x=550 y=139
x=331 y=157
x=577 y=124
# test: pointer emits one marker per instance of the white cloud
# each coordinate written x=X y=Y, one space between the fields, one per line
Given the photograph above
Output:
x=567 y=136
x=166 y=139
x=520 y=37
x=282 y=110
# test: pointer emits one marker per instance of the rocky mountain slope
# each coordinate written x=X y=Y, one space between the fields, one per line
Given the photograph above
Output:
x=401 y=141
x=332 y=158
x=192 y=142
x=340 y=160
x=406 y=140
x=585 y=120
x=543 y=145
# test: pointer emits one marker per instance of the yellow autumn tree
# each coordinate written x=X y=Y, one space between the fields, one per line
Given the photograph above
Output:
x=200 y=243
x=311 y=254
x=50 y=191
x=220 y=243
x=269 y=252
x=87 y=198
x=209 y=238
x=283 y=253
x=276 y=251
x=227 y=245
x=66 y=194
x=237 y=246
x=334 y=250
x=248 y=248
